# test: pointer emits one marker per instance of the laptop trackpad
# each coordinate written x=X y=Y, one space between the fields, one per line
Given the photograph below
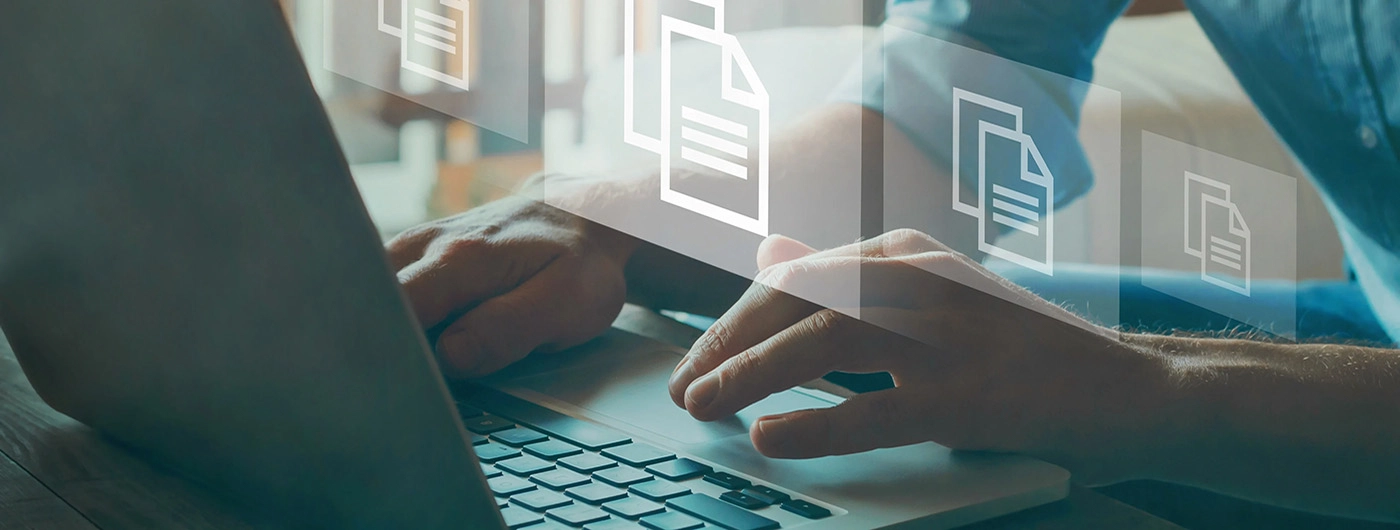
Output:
x=632 y=390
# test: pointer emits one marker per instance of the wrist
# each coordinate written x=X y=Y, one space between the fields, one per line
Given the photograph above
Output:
x=1176 y=406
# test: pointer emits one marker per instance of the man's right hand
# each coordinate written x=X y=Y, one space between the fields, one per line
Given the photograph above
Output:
x=509 y=278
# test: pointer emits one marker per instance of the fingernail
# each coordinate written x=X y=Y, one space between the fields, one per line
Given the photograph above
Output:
x=771 y=425
x=772 y=431
x=682 y=370
x=702 y=392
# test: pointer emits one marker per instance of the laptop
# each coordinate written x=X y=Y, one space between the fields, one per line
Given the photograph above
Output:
x=185 y=266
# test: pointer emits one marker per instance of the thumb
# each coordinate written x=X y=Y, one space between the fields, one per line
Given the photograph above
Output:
x=781 y=249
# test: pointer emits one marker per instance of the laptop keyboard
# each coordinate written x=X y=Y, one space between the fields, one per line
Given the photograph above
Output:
x=551 y=471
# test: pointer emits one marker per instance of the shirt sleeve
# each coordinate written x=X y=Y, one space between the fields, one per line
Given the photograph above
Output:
x=1045 y=48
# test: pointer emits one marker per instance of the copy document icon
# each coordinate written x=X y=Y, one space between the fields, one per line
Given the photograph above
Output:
x=1015 y=190
x=434 y=37
x=725 y=133
x=1217 y=234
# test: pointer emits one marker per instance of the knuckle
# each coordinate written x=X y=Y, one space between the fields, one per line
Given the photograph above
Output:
x=416 y=233
x=829 y=323
x=783 y=276
x=944 y=263
x=412 y=237
x=946 y=258
x=739 y=365
x=463 y=247
x=715 y=339
x=907 y=240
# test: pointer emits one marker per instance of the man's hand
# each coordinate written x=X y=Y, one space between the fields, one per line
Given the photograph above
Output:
x=509 y=278
x=972 y=370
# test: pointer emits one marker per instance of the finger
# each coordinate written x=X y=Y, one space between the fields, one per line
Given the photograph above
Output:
x=916 y=281
x=896 y=243
x=822 y=343
x=781 y=249
x=889 y=418
x=408 y=246
x=763 y=311
x=507 y=328
x=896 y=294
x=464 y=273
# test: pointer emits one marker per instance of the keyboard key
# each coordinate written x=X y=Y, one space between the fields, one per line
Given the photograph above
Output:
x=487 y=424
x=741 y=500
x=524 y=466
x=679 y=469
x=559 y=479
x=518 y=437
x=622 y=476
x=638 y=454
x=806 y=509
x=478 y=439
x=659 y=490
x=577 y=515
x=506 y=485
x=672 y=521
x=613 y=524
x=490 y=471
x=541 y=500
x=492 y=453
x=551 y=525
x=720 y=513
x=502 y=502
x=552 y=450
x=574 y=431
x=633 y=507
x=767 y=495
x=586 y=463
x=517 y=518
x=595 y=493
x=727 y=481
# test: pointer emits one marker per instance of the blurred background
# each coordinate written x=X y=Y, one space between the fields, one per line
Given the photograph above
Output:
x=413 y=164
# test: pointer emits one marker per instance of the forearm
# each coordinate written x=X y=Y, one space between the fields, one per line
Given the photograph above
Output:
x=1312 y=427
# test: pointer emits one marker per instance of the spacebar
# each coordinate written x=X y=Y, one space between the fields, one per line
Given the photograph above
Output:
x=720 y=513
x=575 y=431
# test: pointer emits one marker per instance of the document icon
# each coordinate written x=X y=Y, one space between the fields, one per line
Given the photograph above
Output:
x=1015 y=188
x=725 y=132
x=1216 y=233
x=434 y=36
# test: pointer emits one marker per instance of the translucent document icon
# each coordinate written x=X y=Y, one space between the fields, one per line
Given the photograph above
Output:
x=726 y=133
x=1216 y=233
x=1015 y=189
x=434 y=35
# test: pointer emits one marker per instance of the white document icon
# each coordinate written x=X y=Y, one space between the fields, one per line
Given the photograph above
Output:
x=434 y=36
x=728 y=133
x=1216 y=233
x=991 y=130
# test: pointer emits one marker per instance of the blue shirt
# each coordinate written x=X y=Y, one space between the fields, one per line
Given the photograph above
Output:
x=1325 y=73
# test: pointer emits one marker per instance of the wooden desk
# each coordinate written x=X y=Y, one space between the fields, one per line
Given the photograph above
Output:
x=56 y=473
